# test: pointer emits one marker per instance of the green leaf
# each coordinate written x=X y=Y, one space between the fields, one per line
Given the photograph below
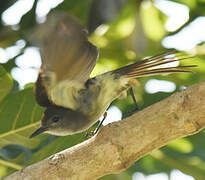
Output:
x=181 y=145
x=20 y=116
x=152 y=23
x=190 y=3
x=5 y=82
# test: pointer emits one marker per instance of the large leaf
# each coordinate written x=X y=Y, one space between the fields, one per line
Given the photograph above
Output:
x=19 y=116
x=6 y=83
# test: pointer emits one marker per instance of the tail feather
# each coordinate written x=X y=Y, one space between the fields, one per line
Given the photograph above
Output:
x=158 y=57
x=158 y=72
x=154 y=65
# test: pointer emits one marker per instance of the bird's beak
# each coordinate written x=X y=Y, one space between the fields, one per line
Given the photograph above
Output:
x=38 y=131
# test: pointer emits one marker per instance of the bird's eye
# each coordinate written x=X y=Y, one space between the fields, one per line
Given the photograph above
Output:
x=55 y=118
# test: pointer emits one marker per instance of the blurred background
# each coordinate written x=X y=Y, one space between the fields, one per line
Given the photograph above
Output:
x=125 y=31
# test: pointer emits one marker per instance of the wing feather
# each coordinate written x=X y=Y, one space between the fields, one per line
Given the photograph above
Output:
x=66 y=53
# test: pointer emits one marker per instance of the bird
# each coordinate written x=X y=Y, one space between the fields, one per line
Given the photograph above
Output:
x=73 y=100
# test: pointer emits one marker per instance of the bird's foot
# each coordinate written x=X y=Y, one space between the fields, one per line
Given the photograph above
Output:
x=90 y=134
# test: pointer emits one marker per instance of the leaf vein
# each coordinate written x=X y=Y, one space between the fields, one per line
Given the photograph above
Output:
x=17 y=116
x=33 y=113
x=19 y=129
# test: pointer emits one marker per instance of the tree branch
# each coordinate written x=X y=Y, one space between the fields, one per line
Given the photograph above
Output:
x=118 y=145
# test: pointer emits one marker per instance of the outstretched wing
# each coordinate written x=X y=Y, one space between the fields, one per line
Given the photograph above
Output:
x=66 y=53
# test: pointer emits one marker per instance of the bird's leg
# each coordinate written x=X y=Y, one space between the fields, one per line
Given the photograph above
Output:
x=92 y=133
x=135 y=83
x=134 y=99
x=100 y=124
x=136 y=108
x=132 y=82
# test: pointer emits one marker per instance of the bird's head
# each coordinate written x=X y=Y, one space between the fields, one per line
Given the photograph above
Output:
x=59 y=121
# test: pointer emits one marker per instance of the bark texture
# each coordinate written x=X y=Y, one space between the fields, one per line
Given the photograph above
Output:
x=118 y=145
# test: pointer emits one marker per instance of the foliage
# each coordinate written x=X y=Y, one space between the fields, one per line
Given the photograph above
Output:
x=132 y=30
